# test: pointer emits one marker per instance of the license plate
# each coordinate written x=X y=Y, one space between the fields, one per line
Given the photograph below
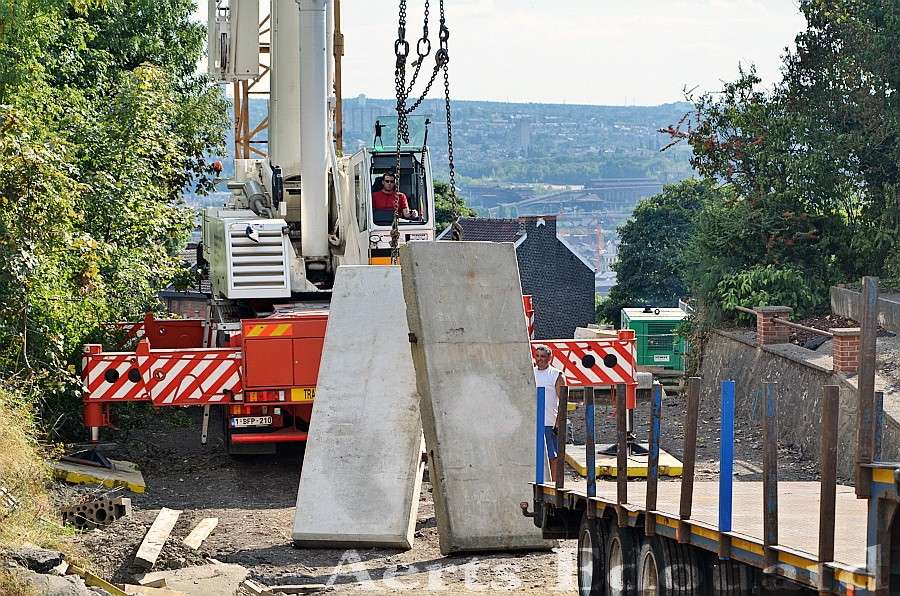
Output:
x=417 y=236
x=251 y=421
x=660 y=358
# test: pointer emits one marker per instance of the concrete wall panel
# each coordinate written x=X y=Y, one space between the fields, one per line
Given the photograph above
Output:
x=362 y=471
x=474 y=373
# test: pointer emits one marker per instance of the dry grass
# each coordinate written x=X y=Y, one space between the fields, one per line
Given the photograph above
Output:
x=14 y=585
x=25 y=475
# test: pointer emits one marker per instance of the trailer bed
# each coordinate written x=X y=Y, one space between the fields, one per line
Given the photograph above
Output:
x=798 y=505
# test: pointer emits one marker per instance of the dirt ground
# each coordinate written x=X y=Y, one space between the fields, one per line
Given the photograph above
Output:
x=254 y=499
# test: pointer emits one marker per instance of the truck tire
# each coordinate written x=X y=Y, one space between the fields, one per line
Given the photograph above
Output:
x=621 y=561
x=591 y=557
x=668 y=568
x=730 y=578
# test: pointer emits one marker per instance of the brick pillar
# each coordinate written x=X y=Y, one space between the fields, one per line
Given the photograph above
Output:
x=845 y=349
x=767 y=331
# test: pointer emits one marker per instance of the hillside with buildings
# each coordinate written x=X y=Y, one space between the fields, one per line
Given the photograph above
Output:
x=589 y=165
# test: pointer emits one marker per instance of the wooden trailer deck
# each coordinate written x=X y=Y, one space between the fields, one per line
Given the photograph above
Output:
x=798 y=507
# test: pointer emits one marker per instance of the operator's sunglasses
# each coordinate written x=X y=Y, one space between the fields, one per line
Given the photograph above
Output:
x=388 y=181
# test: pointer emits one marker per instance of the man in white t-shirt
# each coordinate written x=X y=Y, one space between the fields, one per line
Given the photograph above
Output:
x=551 y=379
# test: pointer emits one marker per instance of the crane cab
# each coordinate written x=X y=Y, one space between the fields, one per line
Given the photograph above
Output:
x=366 y=169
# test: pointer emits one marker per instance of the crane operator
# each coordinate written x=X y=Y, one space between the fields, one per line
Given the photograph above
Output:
x=384 y=199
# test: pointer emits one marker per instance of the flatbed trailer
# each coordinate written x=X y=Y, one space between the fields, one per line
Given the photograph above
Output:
x=724 y=537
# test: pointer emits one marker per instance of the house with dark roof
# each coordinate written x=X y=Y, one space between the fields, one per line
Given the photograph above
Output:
x=559 y=279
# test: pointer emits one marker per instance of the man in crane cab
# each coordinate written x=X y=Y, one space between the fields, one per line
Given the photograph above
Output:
x=383 y=199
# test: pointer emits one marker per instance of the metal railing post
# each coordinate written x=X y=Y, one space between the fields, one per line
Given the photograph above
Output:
x=690 y=458
x=868 y=321
x=653 y=459
x=590 y=446
x=770 y=476
x=828 y=486
x=726 y=467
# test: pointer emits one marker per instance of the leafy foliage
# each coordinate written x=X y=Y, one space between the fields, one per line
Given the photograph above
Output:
x=766 y=285
x=814 y=164
x=445 y=212
x=651 y=268
x=102 y=126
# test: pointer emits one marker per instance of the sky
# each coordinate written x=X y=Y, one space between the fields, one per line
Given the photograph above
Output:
x=602 y=52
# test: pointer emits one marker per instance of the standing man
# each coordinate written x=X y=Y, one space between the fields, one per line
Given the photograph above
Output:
x=551 y=379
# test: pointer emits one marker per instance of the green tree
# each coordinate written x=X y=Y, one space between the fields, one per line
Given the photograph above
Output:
x=103 y=124
x=813 y=161
x=651 y=267
x=444 y=208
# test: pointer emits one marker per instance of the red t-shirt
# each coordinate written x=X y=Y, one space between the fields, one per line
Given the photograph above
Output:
x=384 y=200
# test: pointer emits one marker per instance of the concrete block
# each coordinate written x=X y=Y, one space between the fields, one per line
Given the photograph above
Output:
x=362 y=471
x=475 y=376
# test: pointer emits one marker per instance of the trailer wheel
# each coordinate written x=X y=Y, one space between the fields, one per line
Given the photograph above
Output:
x=621 y=559
x=730 y=578
x=668 y=568
x=591 y=557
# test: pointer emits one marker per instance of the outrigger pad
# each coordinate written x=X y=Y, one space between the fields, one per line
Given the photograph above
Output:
x=362 y=471
x=474 y=373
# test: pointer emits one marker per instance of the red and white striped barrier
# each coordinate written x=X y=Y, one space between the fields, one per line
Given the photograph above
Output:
x=595 y=362
x=165 y=377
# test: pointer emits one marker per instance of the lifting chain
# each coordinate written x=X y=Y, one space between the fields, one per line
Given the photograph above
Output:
x=403 y=90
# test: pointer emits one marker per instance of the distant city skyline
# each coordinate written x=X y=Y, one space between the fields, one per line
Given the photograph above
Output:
x=643 y=52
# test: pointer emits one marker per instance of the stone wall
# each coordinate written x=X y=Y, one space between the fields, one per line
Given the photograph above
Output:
x=801 y=375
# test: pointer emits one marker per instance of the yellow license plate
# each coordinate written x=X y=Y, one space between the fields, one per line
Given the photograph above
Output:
x=303 y=393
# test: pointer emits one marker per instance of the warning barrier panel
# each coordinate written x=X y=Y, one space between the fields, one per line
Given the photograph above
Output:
x=594 y=362
x=165 y=377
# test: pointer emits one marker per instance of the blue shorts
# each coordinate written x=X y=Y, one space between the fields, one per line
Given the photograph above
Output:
x=550 y=439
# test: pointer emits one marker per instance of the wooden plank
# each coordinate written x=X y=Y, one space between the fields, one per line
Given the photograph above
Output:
x=201 y=532
x=96 y=582
x=868 y=321
x=828 y=485
x=653 y=458
x=156 y=537
x=770 y=475
x=689 y=457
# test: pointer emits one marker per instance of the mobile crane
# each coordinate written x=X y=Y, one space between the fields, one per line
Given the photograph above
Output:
x=270 y=252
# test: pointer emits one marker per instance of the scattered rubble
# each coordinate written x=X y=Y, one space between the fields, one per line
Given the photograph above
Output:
x=34 y=558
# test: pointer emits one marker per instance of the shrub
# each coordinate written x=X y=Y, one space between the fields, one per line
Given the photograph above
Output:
x=767 y=285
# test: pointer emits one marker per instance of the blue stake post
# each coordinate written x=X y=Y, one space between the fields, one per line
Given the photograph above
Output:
x=726 y=457
x=539 y=438
x=590 y=448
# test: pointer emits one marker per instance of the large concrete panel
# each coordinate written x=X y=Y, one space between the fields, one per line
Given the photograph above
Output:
x=474 y=373
x=362 y=471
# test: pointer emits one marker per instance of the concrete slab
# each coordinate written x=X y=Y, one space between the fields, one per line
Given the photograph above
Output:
x=362 y=471
x=475 y=376
x=202 y=580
